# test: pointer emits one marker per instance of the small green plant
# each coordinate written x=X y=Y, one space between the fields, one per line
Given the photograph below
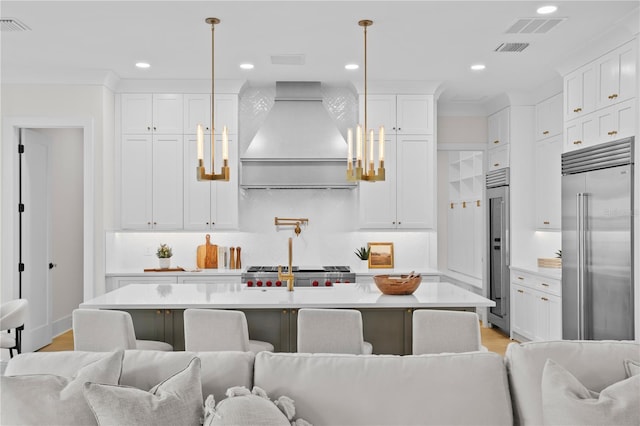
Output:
x=363 y=253
x=559 y=254
x=164 y=251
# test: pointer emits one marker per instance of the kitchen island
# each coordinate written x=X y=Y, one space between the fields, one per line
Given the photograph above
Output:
x=271 y=313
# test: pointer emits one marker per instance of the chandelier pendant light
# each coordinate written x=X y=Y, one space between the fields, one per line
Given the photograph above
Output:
x=202 y=175
x=364 y=167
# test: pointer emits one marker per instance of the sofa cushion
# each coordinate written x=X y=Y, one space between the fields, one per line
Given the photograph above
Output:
x=443 y=389
x=632 y=368
x=566 y=401
x=596 y=364
x=176 y=400
x=41 y=399
x=64 y=363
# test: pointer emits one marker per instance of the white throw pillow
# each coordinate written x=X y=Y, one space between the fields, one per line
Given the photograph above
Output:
x=175 y=401
x=632 y=368
x=245 y=408
x=566 y=401
x=47 y=399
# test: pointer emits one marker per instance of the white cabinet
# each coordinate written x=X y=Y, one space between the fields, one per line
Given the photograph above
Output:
x=548 y=183
x=499 y=128
x=536 y=307
x=151 y=182
x=616 y=76
x=405 y=200
x=498 y=158
x=399 y=114
x=549 y=117
x=144 y=113
x=197 y=110
x=580 y=92
x=604 y=125
x=210 y=204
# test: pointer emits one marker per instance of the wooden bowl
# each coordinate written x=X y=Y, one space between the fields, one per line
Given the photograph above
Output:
x=397 y=285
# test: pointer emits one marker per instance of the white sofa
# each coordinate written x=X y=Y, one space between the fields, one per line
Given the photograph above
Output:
x=329 y=389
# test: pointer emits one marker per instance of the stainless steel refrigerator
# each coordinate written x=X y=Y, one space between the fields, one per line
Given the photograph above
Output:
x=497 y=183
x=597 y=241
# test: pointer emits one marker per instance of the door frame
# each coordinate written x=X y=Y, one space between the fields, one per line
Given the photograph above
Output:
x=9 y=225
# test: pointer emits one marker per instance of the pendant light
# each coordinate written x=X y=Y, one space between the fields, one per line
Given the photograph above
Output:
x=365 y=138
x=224 y=172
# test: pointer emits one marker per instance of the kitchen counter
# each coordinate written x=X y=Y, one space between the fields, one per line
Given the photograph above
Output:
x=552 y=273
x=237 y=296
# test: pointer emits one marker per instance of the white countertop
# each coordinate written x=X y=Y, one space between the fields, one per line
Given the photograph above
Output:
x=553 y=273
x=238 y=272
x=357 y=295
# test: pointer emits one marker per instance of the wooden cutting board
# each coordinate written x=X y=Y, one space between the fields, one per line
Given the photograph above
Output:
x=207 y=255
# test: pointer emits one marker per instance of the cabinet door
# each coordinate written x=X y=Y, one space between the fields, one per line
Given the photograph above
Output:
x=548 y=317
x=414 y=114
x=548 y=174
x=581 y=132
x=226 y=113
x=197 y=194
x=498 y=128
x=580 y=92
x=522 y=311
x=197 y=110
x=136 y=182
x=455 y=257
x=555 y=317
x=616 y=76
x=167 y=114
x=498 y=158
x=415 y=182
x=549 y=117
x=377 y=200
x=136 y=110
x=381 y=111
x=167 y=181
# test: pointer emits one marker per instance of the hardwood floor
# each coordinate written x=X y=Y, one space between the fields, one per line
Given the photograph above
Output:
x=492 y=338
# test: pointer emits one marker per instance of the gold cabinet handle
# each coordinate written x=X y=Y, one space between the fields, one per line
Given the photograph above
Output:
x=451 y=205
x=613 y=132
x=613 y=96
x=477 y=203
x=545 y=299
x=545 y=284
x=577 y=109
x=496 y=141
x=520 y=278
x=520 y=291
x=546 y=132
x=496 y=164
x=464 y=204
x=546 y=222
x=577 y=142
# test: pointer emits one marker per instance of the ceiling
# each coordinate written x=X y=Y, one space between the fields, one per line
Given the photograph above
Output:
x=409 y=41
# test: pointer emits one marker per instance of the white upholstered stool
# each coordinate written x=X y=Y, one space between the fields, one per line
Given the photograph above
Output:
x=331 y=331
x=13 y=314
x=436 y=331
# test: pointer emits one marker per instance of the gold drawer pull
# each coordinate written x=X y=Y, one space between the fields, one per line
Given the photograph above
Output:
x=451 y=205
x=546 y=132
x=545 y=299
x=496 y=164
x=545 y=284
x=577 y=142
x=496 y=141
x=477 y=203
x=546 y=222
x=520 y=278
x=611 y=133
x=615 y=95
x=464 y=204
x=520 y=291
x=577 y=109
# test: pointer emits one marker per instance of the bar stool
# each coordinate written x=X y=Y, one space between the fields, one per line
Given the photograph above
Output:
x=437 y=331
x=12 y=317
x=98 y=330
x=331 y=331
x=219 y=330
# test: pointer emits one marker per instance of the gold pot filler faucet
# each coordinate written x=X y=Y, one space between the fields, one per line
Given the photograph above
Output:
x=289 y=277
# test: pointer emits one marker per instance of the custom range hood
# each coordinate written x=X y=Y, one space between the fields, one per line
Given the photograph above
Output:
x=298 y=145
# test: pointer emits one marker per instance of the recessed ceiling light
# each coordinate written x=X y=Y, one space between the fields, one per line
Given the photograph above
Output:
x=352 y=66
x=142 y=65
x=246 y=66
x=478 y=67
x=545 y=10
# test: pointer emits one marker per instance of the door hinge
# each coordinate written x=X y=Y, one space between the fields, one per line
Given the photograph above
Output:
x=20 y=267
x=20 y=148
x=21 y=208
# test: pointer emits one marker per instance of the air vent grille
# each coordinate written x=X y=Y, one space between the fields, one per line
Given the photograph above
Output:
x=288 y=59
x=511 y=47
x=534 y=25
x=497 y=178
x=12 y=24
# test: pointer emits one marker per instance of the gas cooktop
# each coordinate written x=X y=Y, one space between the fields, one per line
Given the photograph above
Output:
x=299 y=269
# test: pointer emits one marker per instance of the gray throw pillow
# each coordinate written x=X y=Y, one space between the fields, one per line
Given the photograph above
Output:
x=175 y=401
x=566 y=401
x=47 y=399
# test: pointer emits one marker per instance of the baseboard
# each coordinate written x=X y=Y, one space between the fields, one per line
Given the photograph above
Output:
x=61 y=325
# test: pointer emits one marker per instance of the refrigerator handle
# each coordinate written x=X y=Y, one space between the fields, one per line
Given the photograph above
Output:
x=506 y=244
x=580 y=241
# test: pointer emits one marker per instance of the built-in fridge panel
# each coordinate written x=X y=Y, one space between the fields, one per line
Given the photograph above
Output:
x=498 y=290
x=597 y=246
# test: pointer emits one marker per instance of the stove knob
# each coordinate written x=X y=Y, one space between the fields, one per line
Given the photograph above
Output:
x=315 y=283
x=259 y=283
x=249 y=283
x=337 y=281
x=347 y=281
x=278 y=283
x=269 y=283
x=328 y=283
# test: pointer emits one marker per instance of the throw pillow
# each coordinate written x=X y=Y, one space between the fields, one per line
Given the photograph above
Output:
x=242 y=407
x=40 y=399
x=565 y=401
x=175 y=401
x=632 y=368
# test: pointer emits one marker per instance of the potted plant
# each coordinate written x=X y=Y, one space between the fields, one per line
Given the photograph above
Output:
x=363 y=254
x=164 y=254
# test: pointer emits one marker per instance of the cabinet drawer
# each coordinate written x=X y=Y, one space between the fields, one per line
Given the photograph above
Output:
x=498 y=158
x=537 y=282
x=549 y=285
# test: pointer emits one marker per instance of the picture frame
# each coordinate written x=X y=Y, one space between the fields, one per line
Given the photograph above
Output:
x=381 y=255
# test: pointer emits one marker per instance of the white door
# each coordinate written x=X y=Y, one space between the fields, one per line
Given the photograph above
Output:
x=36 y=250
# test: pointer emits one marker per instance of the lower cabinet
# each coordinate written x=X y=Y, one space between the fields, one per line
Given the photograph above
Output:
x=536 y=307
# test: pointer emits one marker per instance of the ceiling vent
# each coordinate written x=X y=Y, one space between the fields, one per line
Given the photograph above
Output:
x=534 y=25
x=12 y=24
x=291 y=59
x=511 y=47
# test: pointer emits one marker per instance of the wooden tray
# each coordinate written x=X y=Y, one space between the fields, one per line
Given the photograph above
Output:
x=549 y=262
x=164 y=269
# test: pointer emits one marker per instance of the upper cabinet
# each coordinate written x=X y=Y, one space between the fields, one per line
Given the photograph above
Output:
x=405 y=200
x=549 y=117
x=498 y=128
x=399 y=114
x=197 y=110
x=144 y=113
x=580 y=92
x=616 y=73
